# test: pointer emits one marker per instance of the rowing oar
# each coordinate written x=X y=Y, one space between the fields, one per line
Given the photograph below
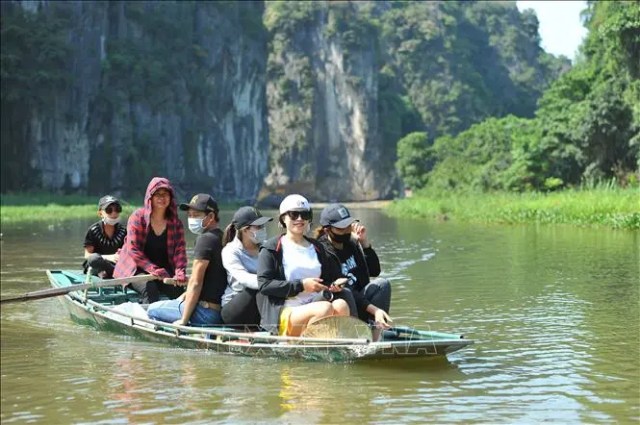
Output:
x=54 y=292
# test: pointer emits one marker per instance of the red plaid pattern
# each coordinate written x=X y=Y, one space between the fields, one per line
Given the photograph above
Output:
x=132 y=254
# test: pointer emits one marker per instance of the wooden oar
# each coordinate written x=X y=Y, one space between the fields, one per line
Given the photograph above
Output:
x=54 y=292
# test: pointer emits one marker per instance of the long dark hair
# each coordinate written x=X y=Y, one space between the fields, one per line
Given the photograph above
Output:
x=230 y=232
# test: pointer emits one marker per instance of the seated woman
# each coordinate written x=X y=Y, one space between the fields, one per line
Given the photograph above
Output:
x=242 y=239
x=155 y=244
x=200 y=304
x=104 y=239
x=292 y=271
x=346 y=243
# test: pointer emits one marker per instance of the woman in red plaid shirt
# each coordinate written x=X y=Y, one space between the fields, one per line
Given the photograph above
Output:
x=155 y=244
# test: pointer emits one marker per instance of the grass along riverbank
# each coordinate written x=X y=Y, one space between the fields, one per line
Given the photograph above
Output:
x=603 y=206
x=46 y=207
x=610 y=207
x=49 y=207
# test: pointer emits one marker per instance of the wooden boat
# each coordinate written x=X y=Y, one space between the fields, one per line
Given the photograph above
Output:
x=102 y=307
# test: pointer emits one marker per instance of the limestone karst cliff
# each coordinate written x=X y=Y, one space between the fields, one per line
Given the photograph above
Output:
x=147 y=88
x=247 y=99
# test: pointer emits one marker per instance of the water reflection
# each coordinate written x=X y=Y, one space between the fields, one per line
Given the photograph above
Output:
x=301 y=394
x=340 y=393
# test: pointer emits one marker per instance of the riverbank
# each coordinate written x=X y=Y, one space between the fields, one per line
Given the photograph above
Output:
x=608 y=207
x=46 y=207
x=27 y=208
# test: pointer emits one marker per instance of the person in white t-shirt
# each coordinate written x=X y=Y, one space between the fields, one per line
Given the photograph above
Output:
x=295 y=276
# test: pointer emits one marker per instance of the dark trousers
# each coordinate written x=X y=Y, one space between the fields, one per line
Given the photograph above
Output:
x=378 y=292
x=242 y=310
x=150 y=291
x=99 y=264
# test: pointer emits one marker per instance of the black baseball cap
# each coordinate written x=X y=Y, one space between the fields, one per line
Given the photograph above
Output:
x=107 y=200
x=336 y=215
x=201 y=202
x=249 y=216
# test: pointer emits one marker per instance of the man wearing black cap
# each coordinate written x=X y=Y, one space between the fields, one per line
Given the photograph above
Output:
x=200 y=304
x=104 y=238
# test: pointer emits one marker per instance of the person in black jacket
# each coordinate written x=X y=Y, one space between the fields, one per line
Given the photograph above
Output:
x=346 y=243
x=294 y=273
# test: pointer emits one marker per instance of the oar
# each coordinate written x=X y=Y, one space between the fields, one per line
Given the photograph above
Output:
x=54 y=292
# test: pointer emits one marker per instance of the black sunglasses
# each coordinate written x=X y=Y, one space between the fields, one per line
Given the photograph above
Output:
x=305 y=215
x=110 y=209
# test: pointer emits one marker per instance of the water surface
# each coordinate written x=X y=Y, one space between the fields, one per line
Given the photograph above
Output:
x=554 y=311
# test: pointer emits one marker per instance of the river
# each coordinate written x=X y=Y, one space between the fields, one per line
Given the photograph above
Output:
x=554 y=311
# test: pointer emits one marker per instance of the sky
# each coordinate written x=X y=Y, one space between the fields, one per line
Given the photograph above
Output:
x=560 y=29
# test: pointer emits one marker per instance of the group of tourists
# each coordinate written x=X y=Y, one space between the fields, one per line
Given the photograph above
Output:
x=240 y=278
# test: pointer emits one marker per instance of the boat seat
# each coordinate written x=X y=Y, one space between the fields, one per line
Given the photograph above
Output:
x=112 y=295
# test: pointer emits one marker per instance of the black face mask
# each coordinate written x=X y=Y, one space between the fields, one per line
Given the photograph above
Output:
x=340 y=238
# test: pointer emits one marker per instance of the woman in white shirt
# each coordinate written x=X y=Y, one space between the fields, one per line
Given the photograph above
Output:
x=294 y=273
x=242 y=239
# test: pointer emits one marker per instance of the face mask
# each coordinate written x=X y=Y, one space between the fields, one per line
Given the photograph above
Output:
x=195 y=225
x=341 y=238
x=259 y=236
x=110 y=221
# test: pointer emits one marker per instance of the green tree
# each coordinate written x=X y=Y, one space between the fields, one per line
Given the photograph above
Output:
x=590 y=117
x=586 y=127
x=493 y=155
x=414 y=159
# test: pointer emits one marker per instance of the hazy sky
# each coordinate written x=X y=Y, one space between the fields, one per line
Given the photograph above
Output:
x=561 y=30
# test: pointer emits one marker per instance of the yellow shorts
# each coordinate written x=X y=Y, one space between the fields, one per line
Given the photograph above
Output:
x=283 y=329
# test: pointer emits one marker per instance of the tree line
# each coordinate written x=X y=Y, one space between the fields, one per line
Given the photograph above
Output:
x=586 y=126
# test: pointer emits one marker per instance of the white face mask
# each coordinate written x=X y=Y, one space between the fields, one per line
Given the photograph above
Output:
x=110 y=221
x=195 y=225
x=259 y=236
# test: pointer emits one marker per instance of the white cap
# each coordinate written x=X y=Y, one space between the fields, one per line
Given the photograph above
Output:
x=294 y=203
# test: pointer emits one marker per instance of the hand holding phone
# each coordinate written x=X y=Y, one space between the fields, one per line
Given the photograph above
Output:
x=340 y=283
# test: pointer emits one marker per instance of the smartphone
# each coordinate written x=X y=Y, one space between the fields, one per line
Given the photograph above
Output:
x=340 y=283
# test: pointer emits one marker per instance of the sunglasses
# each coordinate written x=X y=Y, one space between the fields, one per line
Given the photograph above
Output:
x=305 y=215
x=111 y=208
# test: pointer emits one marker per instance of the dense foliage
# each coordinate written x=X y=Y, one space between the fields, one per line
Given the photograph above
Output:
x=586 y=127
x=462 y=62
x=442 y=66
x=458 y=84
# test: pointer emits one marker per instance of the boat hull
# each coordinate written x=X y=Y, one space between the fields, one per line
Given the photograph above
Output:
x=84 y=309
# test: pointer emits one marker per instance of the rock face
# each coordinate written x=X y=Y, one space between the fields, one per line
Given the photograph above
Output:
x=153 y=89
x=248 y=101
x=323 y=109
x=347 y=80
